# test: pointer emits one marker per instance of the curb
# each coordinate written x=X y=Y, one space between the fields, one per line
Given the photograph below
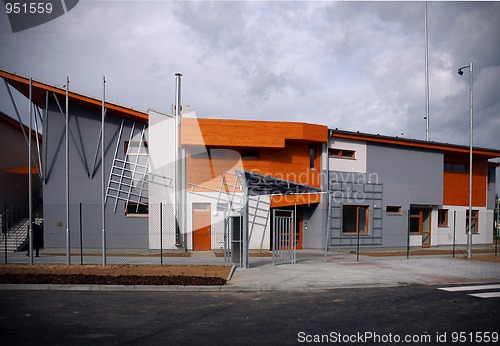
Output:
x=178 y=288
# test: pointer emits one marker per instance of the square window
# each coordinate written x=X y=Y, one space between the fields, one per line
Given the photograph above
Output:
x=250 y=155
x=393 y=210
x=355 y=219
x=312 y=157
x=455 y=167
x=136 y=209
x=474 y=220
x=443 y=218
x=342 y=153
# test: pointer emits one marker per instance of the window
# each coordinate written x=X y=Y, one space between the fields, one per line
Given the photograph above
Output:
x=491 y=177
x=415 y=224
x=250 y=155
x=212 y=153
x=312 y=157
x=393 y=210
x=475 y=221
x=455 y=167
x=342 y=153
x=355 y=219
x=442 y=217
x=137 y=209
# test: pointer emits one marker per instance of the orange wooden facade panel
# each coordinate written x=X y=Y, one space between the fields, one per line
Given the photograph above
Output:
x=283 y=150
x=291 y=163
x=456 y=185
x=248 y=134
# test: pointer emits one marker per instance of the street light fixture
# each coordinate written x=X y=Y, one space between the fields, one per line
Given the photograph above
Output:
x=469 y=230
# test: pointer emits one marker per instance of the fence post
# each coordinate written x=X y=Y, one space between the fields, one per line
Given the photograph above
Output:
x=408 y=237
x=161 y=233
x=4 y=229
x=81 y=235
x=497 y=227
x=454 y=230
x=357 y=248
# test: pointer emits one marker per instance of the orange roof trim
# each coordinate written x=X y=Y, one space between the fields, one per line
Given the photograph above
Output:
x=39 y=89
x=445 y=147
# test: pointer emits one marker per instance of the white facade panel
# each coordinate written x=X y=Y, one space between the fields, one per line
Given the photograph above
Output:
x=161 y=145
x=455 y=232
x=356 y=164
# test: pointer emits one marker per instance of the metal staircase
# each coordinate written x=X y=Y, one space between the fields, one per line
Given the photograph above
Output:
x=16 y=236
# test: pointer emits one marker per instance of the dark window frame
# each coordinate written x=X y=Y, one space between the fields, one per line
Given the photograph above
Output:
x=456 y=167
x=137 y=209
x=393 y=210
x=249 y=154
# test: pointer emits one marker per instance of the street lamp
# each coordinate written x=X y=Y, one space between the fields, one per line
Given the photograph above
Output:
x=469 y=230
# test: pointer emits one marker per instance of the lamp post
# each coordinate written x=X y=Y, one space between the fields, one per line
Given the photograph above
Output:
x=469 y=230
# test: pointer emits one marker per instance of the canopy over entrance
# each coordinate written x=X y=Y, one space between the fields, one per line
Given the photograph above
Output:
x=255 y=184
x=260 y=184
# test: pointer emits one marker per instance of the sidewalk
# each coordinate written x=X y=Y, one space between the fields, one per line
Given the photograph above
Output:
x=338 y=270
x=342 y=271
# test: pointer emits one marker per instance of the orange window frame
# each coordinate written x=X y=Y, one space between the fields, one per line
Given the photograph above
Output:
x=367 y=219
x=442 y=217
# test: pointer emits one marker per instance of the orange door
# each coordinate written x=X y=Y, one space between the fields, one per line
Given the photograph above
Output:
x=202 y=227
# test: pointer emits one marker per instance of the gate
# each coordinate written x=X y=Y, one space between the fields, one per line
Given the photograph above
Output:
x=284 y=237
x=233 y=238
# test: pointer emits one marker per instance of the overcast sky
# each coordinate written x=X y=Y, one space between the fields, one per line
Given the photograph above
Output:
x=356 y=66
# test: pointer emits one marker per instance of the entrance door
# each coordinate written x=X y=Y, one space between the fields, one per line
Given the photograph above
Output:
x=420 y=223
x=426 y=228
x=202 y=227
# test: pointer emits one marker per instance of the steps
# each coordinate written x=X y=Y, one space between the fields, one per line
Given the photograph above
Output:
x=17 y=235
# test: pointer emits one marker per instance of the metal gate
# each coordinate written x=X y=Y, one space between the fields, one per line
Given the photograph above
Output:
x=233 y=238
x=284 y=237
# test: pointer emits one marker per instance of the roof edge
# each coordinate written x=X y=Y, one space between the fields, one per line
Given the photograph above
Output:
x=377 y=138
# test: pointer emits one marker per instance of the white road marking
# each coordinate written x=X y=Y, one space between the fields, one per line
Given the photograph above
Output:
x=469 y=288
x=486 y=295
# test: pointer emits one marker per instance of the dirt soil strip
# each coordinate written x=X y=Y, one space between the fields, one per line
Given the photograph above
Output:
x=114 y=274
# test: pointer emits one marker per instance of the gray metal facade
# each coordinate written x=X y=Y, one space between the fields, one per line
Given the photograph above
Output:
x=84 y=180
x=396 y=177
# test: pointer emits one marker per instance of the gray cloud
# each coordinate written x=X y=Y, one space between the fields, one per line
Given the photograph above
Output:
x=351 y=65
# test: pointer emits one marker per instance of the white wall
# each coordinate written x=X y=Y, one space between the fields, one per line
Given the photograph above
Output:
x=445 y=235
x=259 y=222
x=358 y=164
x=161 y=145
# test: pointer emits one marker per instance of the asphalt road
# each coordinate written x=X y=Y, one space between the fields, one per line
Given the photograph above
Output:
x=412 y=315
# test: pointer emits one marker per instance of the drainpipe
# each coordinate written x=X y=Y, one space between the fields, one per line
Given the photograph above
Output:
x=30 y=178
x=68 y=240
x=328 y=210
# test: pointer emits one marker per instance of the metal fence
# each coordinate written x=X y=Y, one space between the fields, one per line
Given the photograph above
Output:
x=136 y=235
x=131 y=236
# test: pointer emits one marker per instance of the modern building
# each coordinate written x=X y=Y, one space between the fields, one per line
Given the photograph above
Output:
x=186 y=183
x=390 y=191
